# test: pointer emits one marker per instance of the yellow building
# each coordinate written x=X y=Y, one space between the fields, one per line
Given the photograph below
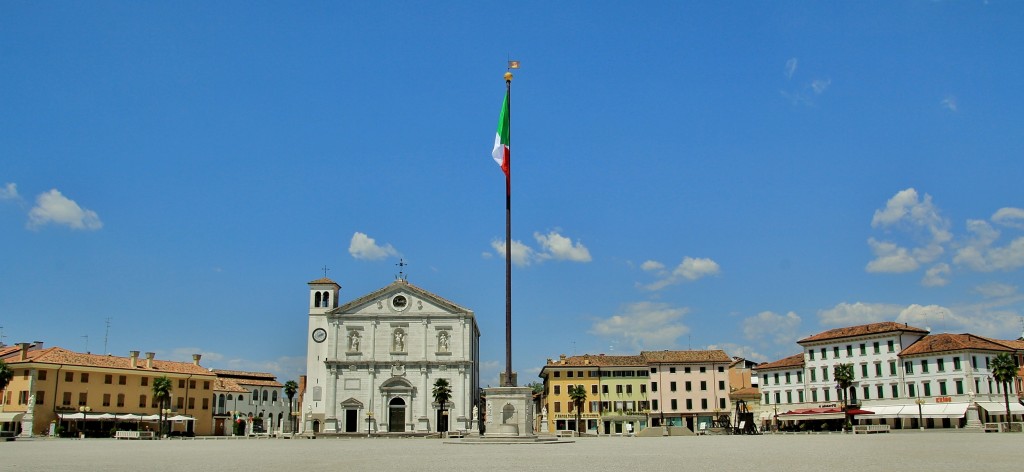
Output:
x=616 y=386
x=92 y=393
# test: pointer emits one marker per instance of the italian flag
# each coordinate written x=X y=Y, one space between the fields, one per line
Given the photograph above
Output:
x=501 y=150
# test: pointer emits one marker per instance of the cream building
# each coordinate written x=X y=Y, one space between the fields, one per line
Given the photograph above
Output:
x=371 y=363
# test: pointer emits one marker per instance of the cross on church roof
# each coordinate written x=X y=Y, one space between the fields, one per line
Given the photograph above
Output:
x=401 y=275
x=325 y=269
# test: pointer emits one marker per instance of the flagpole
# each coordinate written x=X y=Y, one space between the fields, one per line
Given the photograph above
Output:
x=508 y=381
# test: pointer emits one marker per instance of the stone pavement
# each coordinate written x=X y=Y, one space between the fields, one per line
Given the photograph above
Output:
x=929 y=450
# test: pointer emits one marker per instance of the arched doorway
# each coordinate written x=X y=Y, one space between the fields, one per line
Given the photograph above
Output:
x=396 y=415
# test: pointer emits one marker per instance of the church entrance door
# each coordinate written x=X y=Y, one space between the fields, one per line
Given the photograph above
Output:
x=442 y=421
x=351 y=421
x=396 y=415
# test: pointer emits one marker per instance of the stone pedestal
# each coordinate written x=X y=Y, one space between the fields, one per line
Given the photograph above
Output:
x=509 y=412
x=544 y=423
x=973 y=423
x=422 y=424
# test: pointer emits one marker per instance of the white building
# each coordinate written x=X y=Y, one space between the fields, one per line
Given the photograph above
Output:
x=903 y=376
x=372 y=363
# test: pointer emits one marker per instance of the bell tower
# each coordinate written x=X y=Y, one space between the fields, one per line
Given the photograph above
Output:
x=323 y=295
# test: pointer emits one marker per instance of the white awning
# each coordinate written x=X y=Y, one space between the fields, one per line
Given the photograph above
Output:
x=11 y=416
x=818 y=416
x=884 y=411
x=938 y=410
x=995 y=408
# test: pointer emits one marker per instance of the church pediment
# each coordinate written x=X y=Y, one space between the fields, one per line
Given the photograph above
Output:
x=397 y=298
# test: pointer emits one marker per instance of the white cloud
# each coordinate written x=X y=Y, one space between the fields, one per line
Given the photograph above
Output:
x=996 y=290
x=937 y=275
x=559 y=247
x=820 y=85
x=780 y=329
x=791 y=66
x=736 y=350
x=652 y=266
x=1013 y=217
x=906 y=208
x=978 y=253
x=689 y=269
x=890 y=258
x=553 y=246
x=522 y=255
x=644 y=325
x=849 y=314
x=949 y=103
x=995 y=318
x=918 y=216
x=53 y=207
x=366 y=248
x=9 y=192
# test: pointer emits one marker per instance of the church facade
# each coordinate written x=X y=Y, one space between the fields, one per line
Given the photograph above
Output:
x=372 y=363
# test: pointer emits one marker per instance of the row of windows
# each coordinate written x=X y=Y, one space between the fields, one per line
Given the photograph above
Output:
x=603 y=373
x=865 y=370
x=620 y=389
x=686 y=370
x=624 y=373
x=674 y=404
x=877 y=392
x=688 y=386
x=83 y=399
x=108 y=379
x=876 y=348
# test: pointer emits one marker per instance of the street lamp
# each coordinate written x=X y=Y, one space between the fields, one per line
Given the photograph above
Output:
x=369 y=421
x=165 y=427
x=920 y=415
x=85 y=414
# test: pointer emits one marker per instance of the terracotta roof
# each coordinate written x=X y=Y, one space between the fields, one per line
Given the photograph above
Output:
x=60 y=356
x=863 y=330
x=952 y=342
x=228 y=385
x=5 y=350
x=323 y=281
x=242 y=373
x=671 y=357
x=1017 y=344
x=599 y=360
x=239 y=385
x=795 y=360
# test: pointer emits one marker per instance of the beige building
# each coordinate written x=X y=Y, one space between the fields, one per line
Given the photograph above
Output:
x=57 y=388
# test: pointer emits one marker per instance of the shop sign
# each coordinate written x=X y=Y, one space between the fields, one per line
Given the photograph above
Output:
x=943 y=399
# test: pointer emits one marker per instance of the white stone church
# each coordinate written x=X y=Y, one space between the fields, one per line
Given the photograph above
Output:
x=371 y=363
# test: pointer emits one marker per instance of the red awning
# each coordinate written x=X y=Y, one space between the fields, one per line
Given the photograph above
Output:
x=858 y=411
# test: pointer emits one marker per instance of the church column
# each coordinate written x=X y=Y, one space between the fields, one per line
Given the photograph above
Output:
x=331 y=400
x=425 y=372
x=372 y=392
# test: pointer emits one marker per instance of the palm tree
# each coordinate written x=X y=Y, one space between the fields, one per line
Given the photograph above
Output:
x=290 y=389
x=6 y=374
x=844 y=378
x=578 y=396
x=162 y=394
x=1004 y=370
x=442 y=393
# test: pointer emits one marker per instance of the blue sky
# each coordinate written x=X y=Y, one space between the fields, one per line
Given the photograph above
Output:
x=685 y=174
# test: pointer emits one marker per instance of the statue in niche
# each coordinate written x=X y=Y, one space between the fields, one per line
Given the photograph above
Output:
x=353 y=341
x=442 y=341
x=399 y=345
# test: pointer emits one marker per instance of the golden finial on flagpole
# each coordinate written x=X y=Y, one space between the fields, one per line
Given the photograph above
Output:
x=508 y=77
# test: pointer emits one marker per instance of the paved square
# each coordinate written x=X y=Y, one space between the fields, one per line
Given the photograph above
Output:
x=930 y=451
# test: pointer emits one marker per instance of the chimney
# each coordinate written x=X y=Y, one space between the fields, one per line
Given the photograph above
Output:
x=195 y=358
x=37 y=345
x=149 y=359
x=134 y=356
x=24 y=351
